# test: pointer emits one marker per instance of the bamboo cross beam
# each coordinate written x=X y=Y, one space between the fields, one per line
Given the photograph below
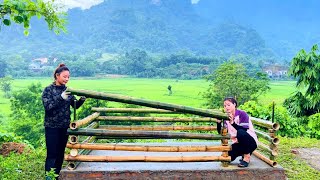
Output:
x=265 y=124
x=264 y=135
x=91 y=158
x=133 y=110
x=84 y=121
x=146 y=134
x=122 y=147
x=264 y=158
x=158 y=128
x=265 y=147
x=155 y=119
x=147 y=103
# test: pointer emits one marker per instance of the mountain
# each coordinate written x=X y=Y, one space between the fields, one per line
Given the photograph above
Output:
x=272 y=29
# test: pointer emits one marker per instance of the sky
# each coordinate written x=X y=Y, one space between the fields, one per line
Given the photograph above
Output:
x=87 y=4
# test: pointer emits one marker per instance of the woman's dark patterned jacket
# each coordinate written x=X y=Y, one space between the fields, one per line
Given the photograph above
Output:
x=57 y=110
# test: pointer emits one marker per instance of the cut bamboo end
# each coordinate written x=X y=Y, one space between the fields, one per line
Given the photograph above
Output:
x=275 y=141
x=74 y=152
x=72 y=165
x=73 y=139
x=73 y=126
x=276 y=126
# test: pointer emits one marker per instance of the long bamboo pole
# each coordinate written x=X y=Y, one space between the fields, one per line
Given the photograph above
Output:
x=264 y=135
x=144 y=134
x=133 y=110
x=84 y=121
x=155 y=119
x=265 y=147
x=119 y=147
x=264 y=123
x=264 y=158
x=148 y=103
x=88 y=158
x=158 y=128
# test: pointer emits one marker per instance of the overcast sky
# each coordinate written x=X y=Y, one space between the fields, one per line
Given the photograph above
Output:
x=86 y=4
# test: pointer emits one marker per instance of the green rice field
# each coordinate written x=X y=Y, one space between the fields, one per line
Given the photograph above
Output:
x=184 y=92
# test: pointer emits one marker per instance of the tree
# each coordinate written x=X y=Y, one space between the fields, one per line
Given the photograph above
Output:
x=5 y=85
x=231 y=79
x=305 y=67
x=21 y=11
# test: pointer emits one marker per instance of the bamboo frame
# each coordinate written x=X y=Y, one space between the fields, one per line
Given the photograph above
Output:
x=91 y=158
x=133 y=110
x=264 y=135
x=119 y=147
x=265 y=159
x=84 y=121
x=147 y=103
x=155 y=119
x=158 y=128
x=146 y=134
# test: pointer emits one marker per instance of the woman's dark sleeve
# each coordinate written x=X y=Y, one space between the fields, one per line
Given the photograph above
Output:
x=78 y=102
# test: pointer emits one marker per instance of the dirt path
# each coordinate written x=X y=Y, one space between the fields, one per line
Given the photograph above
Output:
x=311 y=156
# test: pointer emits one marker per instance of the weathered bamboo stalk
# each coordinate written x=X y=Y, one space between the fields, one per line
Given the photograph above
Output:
x=144 y=134
x=155 y=119
x=266 y=148
x=84 y=121
x=224 y=142
x=158 y=128
x=148 y=103
x=119 y=147
x=264 y=158
x=264 y=123
x=264 y=135
x=88 y=158
x=133 y=110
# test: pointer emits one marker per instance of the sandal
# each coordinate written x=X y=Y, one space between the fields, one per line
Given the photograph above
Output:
x=243 y=163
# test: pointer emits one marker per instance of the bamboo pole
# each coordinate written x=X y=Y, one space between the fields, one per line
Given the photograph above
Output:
x=155 y=119
x=145 y=134
x=148 y=103
x=132 y=110
x=88 y=158
x=264 y=158
x=119 y=147
x=84 y=121
x=158 y=128
x=264 y=135
x=265 y=147
x=72 y=165
x=264 y=123
x=93 y=125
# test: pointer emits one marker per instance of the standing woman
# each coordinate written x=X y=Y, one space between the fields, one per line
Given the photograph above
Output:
x=240 y=128
x=56 y=102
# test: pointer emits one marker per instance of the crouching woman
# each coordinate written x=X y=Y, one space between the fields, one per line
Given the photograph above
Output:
x=240 y=128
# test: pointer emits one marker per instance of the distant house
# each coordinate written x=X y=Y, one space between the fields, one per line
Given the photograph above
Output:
x=276 y=71
x=40 y=64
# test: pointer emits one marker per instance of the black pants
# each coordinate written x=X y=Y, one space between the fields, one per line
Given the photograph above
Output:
x=246 y=144
x=56 y=140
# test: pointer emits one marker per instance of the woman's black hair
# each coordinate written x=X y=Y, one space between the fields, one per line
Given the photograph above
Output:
x=59 y=69
x=231 y=99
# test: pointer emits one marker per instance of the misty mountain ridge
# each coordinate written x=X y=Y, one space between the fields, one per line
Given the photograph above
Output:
x=268 y=29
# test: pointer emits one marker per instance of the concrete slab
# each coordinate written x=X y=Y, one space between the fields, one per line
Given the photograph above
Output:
x=160 y=170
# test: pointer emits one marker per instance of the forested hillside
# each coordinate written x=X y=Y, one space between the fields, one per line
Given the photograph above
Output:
x=175 y=37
